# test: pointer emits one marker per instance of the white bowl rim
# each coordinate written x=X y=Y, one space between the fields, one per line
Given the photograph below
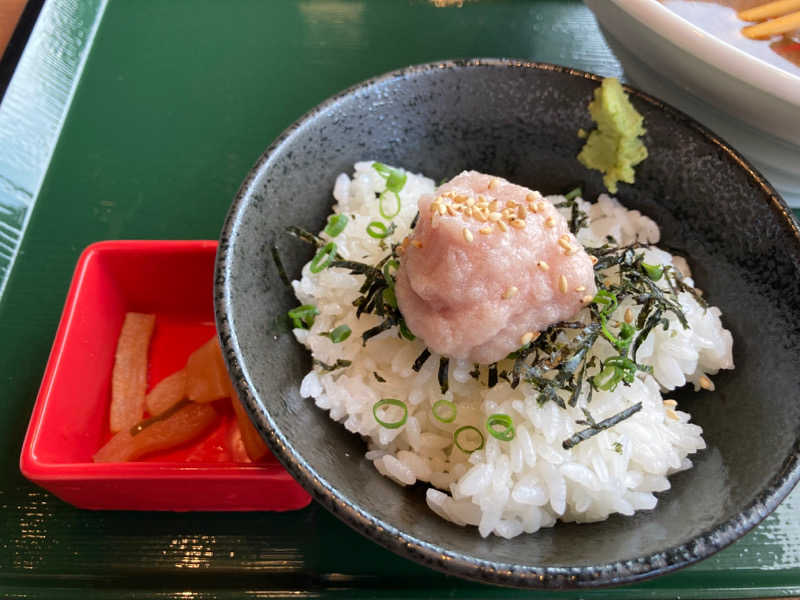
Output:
x=712 y=50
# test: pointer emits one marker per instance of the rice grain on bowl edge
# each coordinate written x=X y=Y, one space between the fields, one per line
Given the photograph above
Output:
x=530 y=481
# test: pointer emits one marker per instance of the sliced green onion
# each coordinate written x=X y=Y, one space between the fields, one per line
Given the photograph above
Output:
x=340 y=334
x=459 y=435
x=303 y=316
x=444 y=411
x=501 y=426
x=654 y=272
x=378 y=230
x=323 y=258
x=336 y=225
x=389 y=297
x=406 y=332
x=608 y=378
x=617 y=447
x=607 y=299
x=382 y=200
x=395 y=178
x=615 y=369
x=390 y=402
x=626 y=367
x=387 y=274
x=572 y=194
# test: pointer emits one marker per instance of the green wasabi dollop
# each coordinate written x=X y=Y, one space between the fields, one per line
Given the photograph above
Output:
x=614 y=148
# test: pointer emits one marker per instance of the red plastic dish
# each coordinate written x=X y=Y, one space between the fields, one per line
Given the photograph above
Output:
x=174 y=280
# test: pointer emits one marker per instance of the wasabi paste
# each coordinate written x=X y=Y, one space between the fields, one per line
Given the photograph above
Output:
x=614 y=147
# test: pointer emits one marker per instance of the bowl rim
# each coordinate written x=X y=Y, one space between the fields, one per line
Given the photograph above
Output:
x=733 y=61
x=625 y=571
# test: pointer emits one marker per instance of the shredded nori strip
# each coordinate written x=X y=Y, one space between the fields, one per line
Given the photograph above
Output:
x=276 y=258
x=339 y=364
x=370 y=333
x=556 y=363
x=413 y=221
x=421 y=360
x=378 y=378
x=444 y=364
x=578 y=219
x=595 y=428
x=492 y=375
x=306 y=236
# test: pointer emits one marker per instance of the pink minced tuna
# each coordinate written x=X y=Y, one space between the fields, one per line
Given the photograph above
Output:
x=489 y=265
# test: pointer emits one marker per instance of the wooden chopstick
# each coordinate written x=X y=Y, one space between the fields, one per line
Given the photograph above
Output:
x=773 y=27
x=769 y=10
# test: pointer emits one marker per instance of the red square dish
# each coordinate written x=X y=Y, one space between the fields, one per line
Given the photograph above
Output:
x=173 y=280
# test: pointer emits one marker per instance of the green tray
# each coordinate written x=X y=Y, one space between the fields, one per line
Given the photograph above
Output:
x=139 y=120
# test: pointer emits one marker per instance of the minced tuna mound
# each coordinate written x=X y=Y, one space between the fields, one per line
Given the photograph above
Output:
x=573 y=424
x=489 y=265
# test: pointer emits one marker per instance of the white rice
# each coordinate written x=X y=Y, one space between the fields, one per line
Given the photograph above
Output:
x=506 y=488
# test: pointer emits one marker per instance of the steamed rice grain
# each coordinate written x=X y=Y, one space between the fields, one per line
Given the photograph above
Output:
x=530 y=482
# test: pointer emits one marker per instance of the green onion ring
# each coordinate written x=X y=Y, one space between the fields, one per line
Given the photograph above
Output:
x=340 y=334
x=609 y=377
x=390 y=402
x=654 y=272
x=392 y=264
x=406 y=332
x=395 y=178
x=572 y=194
x=461 y=430
x=323 y=257
x=608 y=299
x=303 y=316
x=382 y=210
x=507 y=433
x=447 y=418
x=336 y=225
x=378 y=230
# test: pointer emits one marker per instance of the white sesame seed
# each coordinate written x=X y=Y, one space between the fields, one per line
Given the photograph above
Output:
x=530 y=197
x=670 y=403
x=564 y=243
x=562 y=284
x=587 y=299
x=628 y=316
x=518 y=223
x=543 y=265
x=550 y=221
x=522 y=213
x=470 y=201
x=540 y=206
x=502 y=226
x=580 y=288
x=495 y=216
x=450 y=210
x=467 y=234
x=510 y=292
x=486 y=230
x=494 y=183
x=526 y=338
x=705 y=383
x=416 y=243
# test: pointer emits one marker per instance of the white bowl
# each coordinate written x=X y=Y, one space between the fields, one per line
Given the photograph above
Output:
x=752 y=104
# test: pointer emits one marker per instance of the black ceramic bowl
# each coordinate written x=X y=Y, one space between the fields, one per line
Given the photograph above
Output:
x=519 y=120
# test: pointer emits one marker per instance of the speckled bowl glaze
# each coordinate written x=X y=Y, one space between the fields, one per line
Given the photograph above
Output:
x=519 y=120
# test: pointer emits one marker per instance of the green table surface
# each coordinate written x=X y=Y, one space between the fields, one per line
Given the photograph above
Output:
x=139 y=119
